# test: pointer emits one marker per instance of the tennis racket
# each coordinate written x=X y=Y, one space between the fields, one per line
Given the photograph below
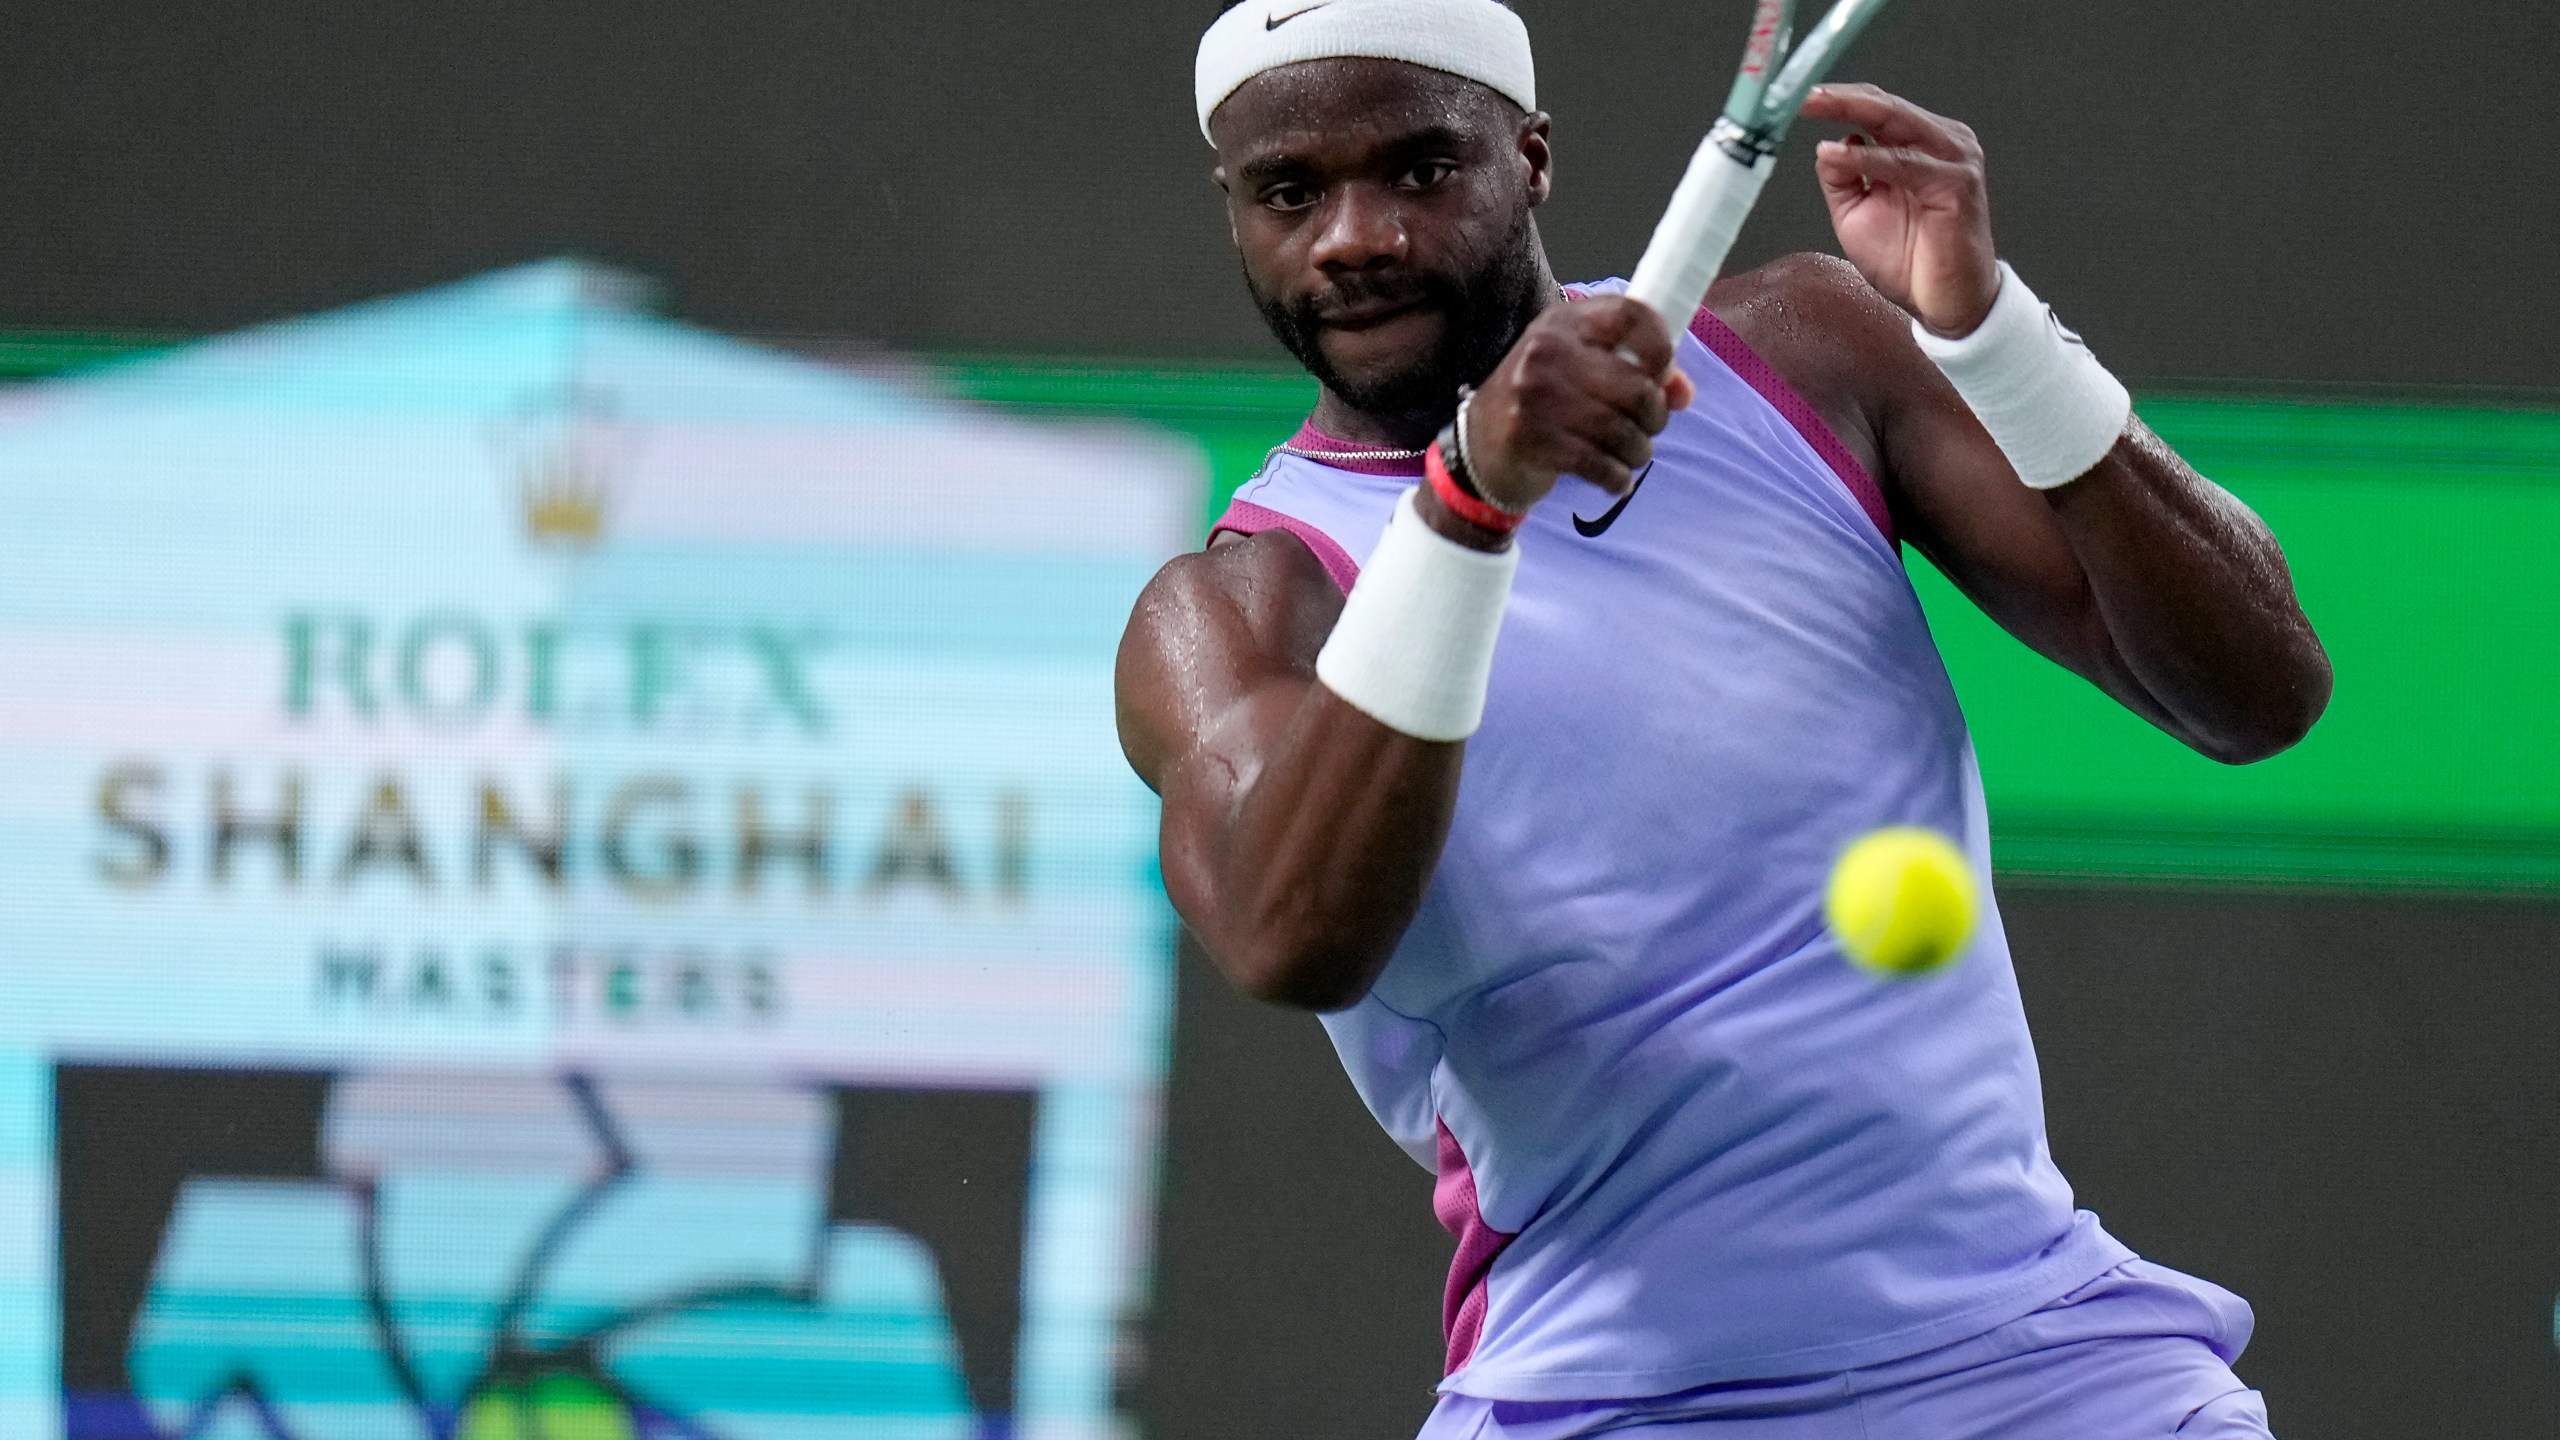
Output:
x=1724 y=179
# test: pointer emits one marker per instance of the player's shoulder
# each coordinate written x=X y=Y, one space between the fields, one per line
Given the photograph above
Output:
x=1269 y=585
x=1234 y=566
x=1807 y=286
x=1205 y=627
x=1817 y=321
x=1837 y=343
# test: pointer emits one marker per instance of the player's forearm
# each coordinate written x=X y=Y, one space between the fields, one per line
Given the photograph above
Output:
x=2189 y=615
x=1324 y=857
x=2196 y=600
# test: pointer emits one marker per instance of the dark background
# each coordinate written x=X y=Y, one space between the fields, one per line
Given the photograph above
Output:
x=2302 y=190
x=2348 y=1108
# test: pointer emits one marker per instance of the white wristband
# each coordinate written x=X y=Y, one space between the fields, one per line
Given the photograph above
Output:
x=1414 y=647
x=2054 y=410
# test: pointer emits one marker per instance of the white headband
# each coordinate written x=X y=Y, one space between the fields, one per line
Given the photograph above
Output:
x=1478 y=39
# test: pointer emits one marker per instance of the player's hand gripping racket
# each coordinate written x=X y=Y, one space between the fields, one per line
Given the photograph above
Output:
x=1725 y=177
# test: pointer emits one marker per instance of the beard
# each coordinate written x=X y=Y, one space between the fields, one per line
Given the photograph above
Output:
x=1482 y=310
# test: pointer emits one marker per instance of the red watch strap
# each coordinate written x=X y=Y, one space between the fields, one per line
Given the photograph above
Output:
x=1474 y=509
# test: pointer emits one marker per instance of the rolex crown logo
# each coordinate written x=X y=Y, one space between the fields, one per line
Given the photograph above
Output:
x=566 y=448
x=564 y=503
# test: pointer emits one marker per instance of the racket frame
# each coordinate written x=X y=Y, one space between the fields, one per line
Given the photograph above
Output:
x=1725 y=177
x=1809 y=62
x=1766 y=52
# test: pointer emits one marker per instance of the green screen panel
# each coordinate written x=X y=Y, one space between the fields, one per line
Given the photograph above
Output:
x=2420 y=540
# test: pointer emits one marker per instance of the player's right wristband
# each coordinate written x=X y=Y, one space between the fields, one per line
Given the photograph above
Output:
x=2054 y=410
x=1414 y=647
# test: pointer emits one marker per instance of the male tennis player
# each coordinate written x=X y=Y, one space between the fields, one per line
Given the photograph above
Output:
x=1559 y=897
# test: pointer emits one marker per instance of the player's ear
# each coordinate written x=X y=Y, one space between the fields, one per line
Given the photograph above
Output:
x=1539 y=155
x=1218 y=176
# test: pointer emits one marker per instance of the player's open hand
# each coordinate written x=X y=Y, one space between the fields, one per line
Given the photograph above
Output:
x=1583 y=392
x=1909 y=204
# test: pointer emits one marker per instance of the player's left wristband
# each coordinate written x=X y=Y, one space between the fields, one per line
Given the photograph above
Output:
x=2054 y=410
x=1414 y=647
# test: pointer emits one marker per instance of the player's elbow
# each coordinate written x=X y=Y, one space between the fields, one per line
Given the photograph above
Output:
x=1321 y=991
x=2281 y=717
x=1299 y=969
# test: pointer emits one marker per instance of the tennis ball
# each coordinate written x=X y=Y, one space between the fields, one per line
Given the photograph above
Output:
x=1902 y=902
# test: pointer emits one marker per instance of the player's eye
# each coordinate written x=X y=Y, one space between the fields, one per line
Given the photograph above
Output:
x=1428 y=174
x=1289 y=196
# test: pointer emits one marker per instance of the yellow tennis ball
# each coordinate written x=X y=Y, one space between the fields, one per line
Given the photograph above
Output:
x=1902 y=902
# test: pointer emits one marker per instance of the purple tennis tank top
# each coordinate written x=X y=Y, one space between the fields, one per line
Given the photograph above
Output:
x=1680 y=1139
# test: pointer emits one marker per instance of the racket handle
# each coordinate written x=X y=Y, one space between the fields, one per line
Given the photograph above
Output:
x=1698 y=230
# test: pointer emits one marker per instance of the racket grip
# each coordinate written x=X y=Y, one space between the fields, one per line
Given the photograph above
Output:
x=1698 y=231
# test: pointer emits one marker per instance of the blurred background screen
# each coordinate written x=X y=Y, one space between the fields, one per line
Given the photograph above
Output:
x=558 y=862
x=565 y=866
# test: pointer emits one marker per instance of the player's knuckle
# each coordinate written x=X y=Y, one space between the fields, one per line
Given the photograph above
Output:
x=1534 y=396
x=1641 y=400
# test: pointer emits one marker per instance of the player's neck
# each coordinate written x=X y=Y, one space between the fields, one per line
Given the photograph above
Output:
x=1340 y=420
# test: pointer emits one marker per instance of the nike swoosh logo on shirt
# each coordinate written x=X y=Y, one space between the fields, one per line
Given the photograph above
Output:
x=1594 y=529
x=1276 y=21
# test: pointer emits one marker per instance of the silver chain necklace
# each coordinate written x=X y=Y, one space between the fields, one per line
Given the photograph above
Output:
x=1322 y=455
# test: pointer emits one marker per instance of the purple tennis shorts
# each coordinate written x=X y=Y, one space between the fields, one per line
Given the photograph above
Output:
x=2140 y=1353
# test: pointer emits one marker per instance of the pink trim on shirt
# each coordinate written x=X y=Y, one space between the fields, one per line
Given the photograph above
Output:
x=1243 y=517
x=1453 y=1200
x=1773 y=387
x=1311 y=438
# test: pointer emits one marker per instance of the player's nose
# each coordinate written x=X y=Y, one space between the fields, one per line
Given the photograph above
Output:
x=1362 y=230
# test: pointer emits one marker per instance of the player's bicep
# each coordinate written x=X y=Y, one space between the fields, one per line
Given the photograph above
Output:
x=1219 y=656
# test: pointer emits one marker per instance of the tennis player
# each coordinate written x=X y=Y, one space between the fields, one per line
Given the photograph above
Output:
x=1532 y=788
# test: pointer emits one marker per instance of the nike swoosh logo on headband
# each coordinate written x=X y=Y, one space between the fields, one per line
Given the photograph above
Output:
x=1276 y=21
x=1594 y=529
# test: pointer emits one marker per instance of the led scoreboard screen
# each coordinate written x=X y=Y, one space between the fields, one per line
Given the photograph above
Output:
x=563 y=875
